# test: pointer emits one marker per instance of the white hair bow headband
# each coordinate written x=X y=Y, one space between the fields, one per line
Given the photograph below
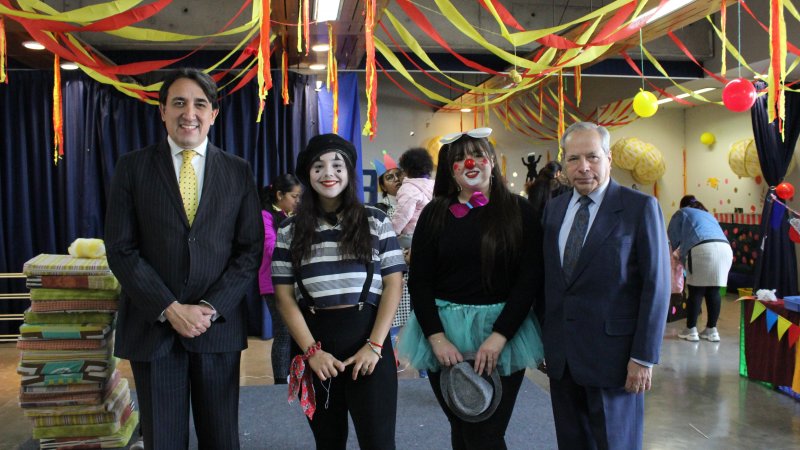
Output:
x=477 y=133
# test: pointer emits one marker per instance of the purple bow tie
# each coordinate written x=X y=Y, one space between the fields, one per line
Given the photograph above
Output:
x=461 y=209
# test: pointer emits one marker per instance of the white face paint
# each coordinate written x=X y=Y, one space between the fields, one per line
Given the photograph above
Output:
x=328 y=175
x=473 y=173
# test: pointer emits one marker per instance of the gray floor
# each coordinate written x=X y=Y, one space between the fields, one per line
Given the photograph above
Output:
x=698 y=400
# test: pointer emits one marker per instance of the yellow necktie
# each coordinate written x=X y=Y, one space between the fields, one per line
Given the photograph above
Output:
x=187 y=182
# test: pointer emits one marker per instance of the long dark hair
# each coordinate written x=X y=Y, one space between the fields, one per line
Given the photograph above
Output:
x=355 y=241
x=542 y=188
x=692 y=202
x=501 y=220
x=269 y=196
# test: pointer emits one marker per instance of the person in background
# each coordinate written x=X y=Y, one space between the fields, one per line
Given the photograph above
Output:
x=607 y=289
x=278 y=201
x=707 y=257
x=390 y=178
x=546 y=186
x=414 y=194
x=476 y=269
x=337 y=276
x=184 y=238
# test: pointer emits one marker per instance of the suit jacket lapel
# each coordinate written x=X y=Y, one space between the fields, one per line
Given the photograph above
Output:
x=166 y=171
x=605 y=221
x=211 y=179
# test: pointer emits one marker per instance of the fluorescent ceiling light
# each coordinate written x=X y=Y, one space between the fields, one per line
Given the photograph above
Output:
x=317 y=66
x=320 y=47
x=466 y=110
x=670 y=7
x=326 y=10
x=684 y=95
x=69 y=66
x=33 y=45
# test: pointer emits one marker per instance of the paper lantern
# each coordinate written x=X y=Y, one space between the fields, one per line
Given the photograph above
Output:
x=650 y=166
x=645 y=104
x=707 y=138
x=784 y=190
x=433 y=149
x=743 y=158
x=739 y=95
x=626 y=152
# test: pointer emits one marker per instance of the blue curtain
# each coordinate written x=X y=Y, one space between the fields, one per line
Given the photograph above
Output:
x=45 y=206
x=349 y=119
x=776 y=267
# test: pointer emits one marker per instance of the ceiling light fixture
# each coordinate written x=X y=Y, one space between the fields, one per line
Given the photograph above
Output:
x=466 y=110
x=33 y=45
x=685 y=94
x=320 y=47
x=668 y=8
x=69 y=66
x=326 y=10
x=317 y=66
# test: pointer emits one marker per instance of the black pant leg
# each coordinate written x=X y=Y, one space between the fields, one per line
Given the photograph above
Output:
x=713 y=304
x=215 y=399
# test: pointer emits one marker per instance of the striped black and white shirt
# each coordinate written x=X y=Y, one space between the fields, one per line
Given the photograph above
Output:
x=329 y=279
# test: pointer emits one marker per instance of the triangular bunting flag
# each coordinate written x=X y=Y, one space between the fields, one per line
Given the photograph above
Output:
x=783 y=325
x=794 y=333
x=758 y=308
x=771 y=319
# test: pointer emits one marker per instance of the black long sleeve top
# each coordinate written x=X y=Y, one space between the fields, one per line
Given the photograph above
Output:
x=450 y=269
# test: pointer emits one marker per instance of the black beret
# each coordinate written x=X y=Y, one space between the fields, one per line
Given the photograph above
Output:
x=319 y=145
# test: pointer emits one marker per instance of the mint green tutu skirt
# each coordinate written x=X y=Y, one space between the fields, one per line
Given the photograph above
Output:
x=467 y=326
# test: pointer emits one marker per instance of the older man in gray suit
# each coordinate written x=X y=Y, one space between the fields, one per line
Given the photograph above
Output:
x=184 y=237
x=607 y=291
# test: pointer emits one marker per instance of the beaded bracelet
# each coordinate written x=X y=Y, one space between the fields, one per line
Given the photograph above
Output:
x=312 y=349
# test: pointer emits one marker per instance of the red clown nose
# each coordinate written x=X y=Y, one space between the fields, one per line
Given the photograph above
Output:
x=469 y=164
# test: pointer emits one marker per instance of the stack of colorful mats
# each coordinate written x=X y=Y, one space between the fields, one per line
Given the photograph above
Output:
x=71 y=389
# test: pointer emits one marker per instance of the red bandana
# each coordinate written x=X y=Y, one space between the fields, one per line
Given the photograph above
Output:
x=300 y=382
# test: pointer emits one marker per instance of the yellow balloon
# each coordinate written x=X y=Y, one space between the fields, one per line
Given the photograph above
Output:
x=707 y=138
x=645 y=104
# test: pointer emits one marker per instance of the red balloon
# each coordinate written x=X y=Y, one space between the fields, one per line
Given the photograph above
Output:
x=739 y=95
x=784 y=190
x=794 y=235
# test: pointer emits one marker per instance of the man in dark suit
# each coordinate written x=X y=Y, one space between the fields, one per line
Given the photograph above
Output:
x=607 y=291
x=185 y=257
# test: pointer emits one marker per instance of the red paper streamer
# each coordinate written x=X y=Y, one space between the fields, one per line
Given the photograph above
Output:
x=371 y=76
x=58 y=118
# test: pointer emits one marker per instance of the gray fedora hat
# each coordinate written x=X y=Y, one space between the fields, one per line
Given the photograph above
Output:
x=471 y=397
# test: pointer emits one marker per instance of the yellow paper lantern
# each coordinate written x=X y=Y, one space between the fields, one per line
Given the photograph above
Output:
x=707 y=138
x=626 y=153
x=433 y=149
x=645 y=104
x=650 y=166
x=743 y=158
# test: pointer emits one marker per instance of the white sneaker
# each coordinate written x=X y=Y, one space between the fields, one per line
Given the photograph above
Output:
x=690 y=334
x=710 y=334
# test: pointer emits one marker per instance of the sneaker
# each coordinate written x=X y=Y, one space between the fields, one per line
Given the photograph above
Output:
x=690 y=334
x=710 y=334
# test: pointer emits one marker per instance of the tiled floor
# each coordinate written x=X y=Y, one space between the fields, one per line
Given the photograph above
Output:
x=698 y=400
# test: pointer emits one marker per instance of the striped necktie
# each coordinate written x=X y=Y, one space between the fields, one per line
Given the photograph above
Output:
x=577 y=234
x=187 y=182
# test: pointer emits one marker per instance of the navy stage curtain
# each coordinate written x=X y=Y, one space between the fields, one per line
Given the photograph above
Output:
x=777 y=266
x=46 y=206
